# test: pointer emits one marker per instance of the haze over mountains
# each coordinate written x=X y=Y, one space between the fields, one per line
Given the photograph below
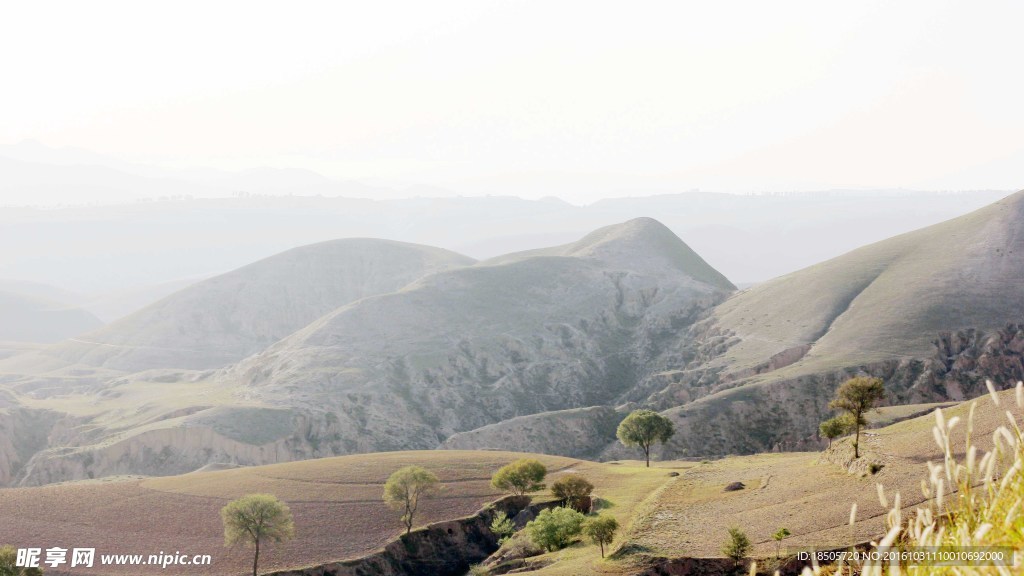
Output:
x=189 y=224
x=366 y=345
x=224 y=319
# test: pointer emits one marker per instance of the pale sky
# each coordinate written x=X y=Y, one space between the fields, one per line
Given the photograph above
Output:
x=575 y=99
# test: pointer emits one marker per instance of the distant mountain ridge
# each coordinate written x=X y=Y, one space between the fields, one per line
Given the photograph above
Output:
x=26 y=318
x=223 y=319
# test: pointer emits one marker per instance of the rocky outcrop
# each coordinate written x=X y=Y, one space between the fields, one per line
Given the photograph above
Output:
x=784 y=414
x=23 y=434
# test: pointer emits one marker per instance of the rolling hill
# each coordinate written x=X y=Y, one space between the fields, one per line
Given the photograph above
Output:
x=28 y=318
x=570 y=327
x=226 y=318
x=933 y=312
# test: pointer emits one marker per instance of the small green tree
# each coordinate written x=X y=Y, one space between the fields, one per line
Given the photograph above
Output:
x=601 y=530
x=502 y=527
x=834 y=427
x=737 y=546
x=254 y=519
x=554 y=528
x=572 y=488
x=856 y=397
x=780 y=535
x=406 y=487
x=643 y=428
x=520 y=477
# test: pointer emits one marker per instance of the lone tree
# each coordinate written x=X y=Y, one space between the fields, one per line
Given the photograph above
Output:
x=254 y=519
x=856 y=397
x=555 y=528
x=573 y=488
x=520 y=477
x=643 y=428
x=601 y=530
x=737 y=546
x=780 y=535
x=834 y=427
x=406 y=487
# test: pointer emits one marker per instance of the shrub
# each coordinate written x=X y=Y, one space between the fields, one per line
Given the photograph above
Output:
x=9 y=561
x=737 y=546
x=555 y=528
x=572 y=488
x=502 y=527
x=780 y=535
x=835 y=427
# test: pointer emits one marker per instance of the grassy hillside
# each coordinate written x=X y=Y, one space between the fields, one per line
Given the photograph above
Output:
x=887 y=300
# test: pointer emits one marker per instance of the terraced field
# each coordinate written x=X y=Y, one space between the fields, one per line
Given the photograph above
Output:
x=336 y=503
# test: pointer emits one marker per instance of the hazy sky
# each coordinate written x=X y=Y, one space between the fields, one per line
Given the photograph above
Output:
x=576 y=99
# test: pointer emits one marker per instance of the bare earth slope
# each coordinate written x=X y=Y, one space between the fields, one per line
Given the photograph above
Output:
x=226 y=318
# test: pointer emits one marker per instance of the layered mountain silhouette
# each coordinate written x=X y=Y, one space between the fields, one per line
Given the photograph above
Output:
x=364 y=345
x=226 y=318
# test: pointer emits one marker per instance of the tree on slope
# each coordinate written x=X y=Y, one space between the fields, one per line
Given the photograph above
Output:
x=835 y=427
x=601 y=530
x=406 y=488
x=856 y=397
x=254 y=519
x=643 y=428
x=573 y=488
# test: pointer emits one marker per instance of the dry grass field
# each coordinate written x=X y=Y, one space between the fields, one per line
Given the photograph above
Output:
x=689 y=515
